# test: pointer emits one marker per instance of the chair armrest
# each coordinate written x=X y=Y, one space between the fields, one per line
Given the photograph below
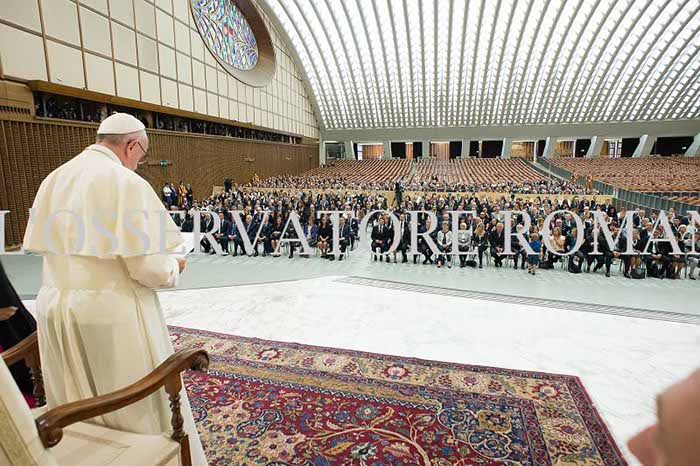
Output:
x=25 y=348
x=51 y=424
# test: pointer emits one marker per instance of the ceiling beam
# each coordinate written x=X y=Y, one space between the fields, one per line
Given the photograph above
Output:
x=632 y=129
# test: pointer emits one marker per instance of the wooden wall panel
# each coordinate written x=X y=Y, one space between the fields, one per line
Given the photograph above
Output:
x=30 y=150
x=372 y=151
x=523 y=149
x=440 y=150
x=564 y=149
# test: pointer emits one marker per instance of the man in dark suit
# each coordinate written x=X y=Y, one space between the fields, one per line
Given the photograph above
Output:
x=606 y=254
x=233 y=237
x=497 y=240
x=646 y=234
x=354 y=225
x=204 y=227
x=421 y=242
x=404 y=238
x=265 y=231
x=345 y=233
x=249 y=228
x=380 y=239
x=258 y=217
x=175 y=216
x=659 y=257
x=223 y=233
x=567 y=224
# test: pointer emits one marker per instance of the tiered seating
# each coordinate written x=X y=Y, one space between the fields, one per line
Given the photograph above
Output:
x=478 y=171
x=692 y=200
x=647 y=174
x=363 y=171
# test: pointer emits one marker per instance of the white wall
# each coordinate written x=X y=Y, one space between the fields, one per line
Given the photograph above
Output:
x=148 y=50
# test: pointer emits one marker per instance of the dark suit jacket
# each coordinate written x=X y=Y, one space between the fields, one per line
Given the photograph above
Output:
x=380 y=236
x=345 y=232
x=406 y=237
x=496 y=240
x=266 y=230
x=225 y=228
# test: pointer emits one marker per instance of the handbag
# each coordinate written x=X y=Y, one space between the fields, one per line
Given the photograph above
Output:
x=638 y=273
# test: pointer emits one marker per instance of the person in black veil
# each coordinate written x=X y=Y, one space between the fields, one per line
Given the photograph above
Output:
x=15 y=329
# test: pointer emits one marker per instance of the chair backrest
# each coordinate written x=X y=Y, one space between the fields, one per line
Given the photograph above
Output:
x=20 y=444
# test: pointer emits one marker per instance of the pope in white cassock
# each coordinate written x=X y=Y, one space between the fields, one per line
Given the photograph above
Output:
x=104 y=234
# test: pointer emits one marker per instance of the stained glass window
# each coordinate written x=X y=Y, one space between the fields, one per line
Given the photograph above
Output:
x=226 y=32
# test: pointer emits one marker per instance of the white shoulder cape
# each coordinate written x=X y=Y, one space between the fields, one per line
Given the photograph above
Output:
x=94 y=206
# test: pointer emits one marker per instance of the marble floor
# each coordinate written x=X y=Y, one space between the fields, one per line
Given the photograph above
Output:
x=623 y=361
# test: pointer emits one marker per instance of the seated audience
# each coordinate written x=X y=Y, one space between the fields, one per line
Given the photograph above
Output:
x=444 y=243
x=464 y=241
x=404 y=239
x=380 y=239
x=345 y=233
x=533 y=260
x=477 y=232
x=497 y=242
x=324 y=236
x=480 y=241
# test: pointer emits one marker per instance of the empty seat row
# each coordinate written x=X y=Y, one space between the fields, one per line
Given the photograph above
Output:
x=646 y=174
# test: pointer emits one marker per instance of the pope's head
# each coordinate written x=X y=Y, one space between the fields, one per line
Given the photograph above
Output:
x=126 y=136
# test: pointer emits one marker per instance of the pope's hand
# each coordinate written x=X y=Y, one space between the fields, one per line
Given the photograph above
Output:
x=181 y=261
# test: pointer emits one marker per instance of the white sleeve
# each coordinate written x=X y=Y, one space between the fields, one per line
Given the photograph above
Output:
x=154 y=270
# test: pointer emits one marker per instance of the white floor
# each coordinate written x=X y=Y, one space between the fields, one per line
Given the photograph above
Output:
x=623 y=362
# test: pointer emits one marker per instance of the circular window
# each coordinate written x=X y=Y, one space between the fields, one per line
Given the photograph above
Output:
x=236 y=35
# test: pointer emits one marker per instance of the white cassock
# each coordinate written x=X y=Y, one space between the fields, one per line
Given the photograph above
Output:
x=100 y=324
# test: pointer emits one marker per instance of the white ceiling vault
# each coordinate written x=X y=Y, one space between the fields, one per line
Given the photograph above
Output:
x=378 y=64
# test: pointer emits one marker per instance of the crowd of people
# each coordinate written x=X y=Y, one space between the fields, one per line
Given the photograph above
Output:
x=535 y=187
x=181 y=196
x=481 y=238
x=433 y=184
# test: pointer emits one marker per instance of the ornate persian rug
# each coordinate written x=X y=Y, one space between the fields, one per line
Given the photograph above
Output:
x=276 y=404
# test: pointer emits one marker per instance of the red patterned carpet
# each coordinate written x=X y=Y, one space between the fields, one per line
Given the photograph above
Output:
x=275 y=404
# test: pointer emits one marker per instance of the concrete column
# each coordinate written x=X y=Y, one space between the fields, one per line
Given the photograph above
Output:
x=694 y=149
x=465 y=148
x=481 y=152
x=321 y=152
x=387 y=150
x=595 y=147
x=646 y=143
x=534 y=153
x=573 y=148
x=507 y=148
x=426 y=149
x=349 y=150
x=549 y=147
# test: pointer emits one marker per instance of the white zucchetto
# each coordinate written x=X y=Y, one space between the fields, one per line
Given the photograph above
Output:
x=120 y=123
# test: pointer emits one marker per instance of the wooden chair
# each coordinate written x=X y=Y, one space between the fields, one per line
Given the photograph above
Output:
x=60 y=436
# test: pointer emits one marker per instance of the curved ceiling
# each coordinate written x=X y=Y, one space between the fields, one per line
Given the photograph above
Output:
x=453 y=63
